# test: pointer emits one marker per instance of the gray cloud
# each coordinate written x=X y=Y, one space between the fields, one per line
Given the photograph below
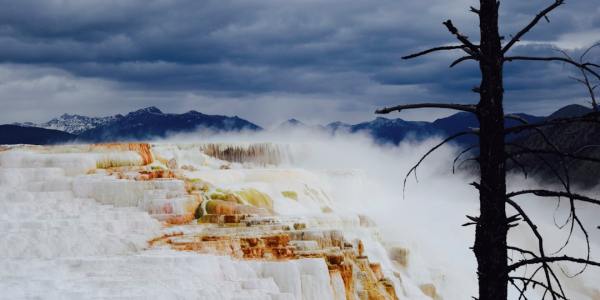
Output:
x=265 y=60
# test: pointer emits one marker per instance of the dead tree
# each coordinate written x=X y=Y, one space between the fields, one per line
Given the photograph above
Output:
x=492 y=225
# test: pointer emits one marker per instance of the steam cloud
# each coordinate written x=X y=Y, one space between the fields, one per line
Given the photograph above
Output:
x=426 y=218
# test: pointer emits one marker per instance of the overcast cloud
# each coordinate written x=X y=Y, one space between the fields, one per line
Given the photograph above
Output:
x=268 y=60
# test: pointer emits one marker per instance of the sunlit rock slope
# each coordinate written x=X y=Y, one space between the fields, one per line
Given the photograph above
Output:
x=186 y=221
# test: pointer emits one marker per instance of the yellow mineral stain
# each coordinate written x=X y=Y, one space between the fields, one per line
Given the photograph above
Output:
x=290 y=195
x=429 y=290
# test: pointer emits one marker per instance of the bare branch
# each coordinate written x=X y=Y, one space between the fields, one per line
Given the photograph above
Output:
x=539 y=131
x=554 y=259
x=573 y=215
x=582 y=148
x=461 y=154
x=474 y=221
x=577 y=79
x=464 y=58
x=588 y=85
x=475 y=159
x=435 y=49
x=445 y=141
x=535 y=282
x=537 y=234
x=522 y=251
x=567 y=185
x=521 y=290
x=547 y=193
x=399 y=108
x=553 y=152
x=532 y=24
x=585 y=81
x=556 y=151
x=585 y=66
x=582 y=57
x=463 y=39
x=546 y=163
x=586 y=235
x=592 y=65
x=519 y=164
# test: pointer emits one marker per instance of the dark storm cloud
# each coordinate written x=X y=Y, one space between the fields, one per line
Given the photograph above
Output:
x=341 y=55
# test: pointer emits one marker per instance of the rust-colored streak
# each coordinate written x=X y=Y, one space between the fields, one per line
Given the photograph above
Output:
x=180 y=219
x=155 y=174
x=143 y=149
x=247 y=237
x=163 y=237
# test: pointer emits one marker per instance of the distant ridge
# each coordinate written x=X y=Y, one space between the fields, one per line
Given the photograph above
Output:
x=150 y=123
x=15 y=134
x=143 y=124
x=394 y=131
x=297 y=124
x=573 y=110
x=74 y=124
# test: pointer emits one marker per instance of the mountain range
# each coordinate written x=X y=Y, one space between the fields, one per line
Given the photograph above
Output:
x=144 y=124
x=151 y=123
x=73 y=124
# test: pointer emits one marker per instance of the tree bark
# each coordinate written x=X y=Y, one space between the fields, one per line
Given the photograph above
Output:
x=490 y=235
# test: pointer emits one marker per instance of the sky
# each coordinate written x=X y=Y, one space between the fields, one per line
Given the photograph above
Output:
x=271 y=60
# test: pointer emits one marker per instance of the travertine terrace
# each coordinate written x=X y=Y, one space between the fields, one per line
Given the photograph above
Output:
x=197 y=221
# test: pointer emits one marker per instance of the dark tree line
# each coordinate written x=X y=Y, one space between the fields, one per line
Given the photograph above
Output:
x=495 y=270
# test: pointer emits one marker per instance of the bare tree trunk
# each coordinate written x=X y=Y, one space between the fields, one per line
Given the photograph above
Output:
x=490 y=236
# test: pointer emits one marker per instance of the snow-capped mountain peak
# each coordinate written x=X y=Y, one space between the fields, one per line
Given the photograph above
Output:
x=147 y=110
x=73 y=123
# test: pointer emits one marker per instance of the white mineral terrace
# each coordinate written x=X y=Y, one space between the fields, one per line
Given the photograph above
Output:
x=168 y=221
x=203 y=221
